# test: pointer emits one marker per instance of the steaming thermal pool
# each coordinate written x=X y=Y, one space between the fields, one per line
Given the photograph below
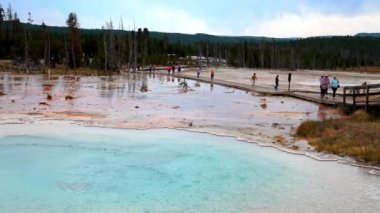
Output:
x=69 y=168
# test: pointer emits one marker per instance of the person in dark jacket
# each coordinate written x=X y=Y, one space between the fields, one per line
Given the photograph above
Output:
x=276 y=82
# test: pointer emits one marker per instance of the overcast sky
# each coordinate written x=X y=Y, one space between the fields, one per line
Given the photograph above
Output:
x=273 y=18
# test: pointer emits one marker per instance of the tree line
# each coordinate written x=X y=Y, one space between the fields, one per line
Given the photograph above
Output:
x=115 y=48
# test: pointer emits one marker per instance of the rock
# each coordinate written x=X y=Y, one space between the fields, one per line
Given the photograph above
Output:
x=191 y=124
x=264 y=106
x=144 y=88
x=49 y=97
x=1 y=94
x=44 y=103
x=69 y=97
x=136 y=107
x=13 y=101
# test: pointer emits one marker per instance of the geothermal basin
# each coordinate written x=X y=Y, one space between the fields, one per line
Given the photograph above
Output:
x=81 y=149
x=72 y=168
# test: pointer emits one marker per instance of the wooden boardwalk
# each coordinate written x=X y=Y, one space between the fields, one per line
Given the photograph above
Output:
x=349 y=98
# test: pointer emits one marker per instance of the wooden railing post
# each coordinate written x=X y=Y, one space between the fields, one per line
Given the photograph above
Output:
x=353 y=99
x=365 y=91
x=367 y=98
x=344 y=97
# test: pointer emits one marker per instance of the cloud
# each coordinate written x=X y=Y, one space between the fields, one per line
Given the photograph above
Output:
x=178 y=20
x=315 y=24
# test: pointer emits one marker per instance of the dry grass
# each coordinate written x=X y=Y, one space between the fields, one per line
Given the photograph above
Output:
x=369 y=69
x=357 y=136
x=5 y=63
x=69 y=97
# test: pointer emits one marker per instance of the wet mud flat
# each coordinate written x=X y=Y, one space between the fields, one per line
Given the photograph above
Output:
x=143 y=101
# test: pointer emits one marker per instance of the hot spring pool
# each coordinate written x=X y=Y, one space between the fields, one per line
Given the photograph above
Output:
x=69 y=168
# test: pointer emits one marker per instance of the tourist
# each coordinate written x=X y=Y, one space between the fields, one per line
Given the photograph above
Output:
x=320 y=85
x=150 y=69
x=328 y=85
x=179 y=68
x=324 y=84
x=334 y=85
x=169 y=68
x=212 y=74
x=254 y=78
x=276 y=81
x=198 y=71
x=173 y=69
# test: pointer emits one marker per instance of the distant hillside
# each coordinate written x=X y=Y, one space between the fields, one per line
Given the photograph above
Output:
x=192 y=38
x=186 y=38
x=375 y=35
x=172 y=37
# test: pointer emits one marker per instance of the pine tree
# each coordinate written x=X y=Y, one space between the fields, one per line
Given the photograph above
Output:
x=74 y=40
x=2 y=17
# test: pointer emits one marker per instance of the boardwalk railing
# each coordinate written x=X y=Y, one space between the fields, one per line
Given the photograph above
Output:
x=361 y=95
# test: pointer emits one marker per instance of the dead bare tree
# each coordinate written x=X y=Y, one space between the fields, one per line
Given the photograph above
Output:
x=145 y=51
x=130 y=44
x=200 y=54
x=121 y=54
x=111 y=46
x=46 y=36
x=134 y=48
x=26 y=51
x=111 y=58
x=105 y=49
x=26 y=41
x=67 y=55
x=262 y=54
x=208 y=52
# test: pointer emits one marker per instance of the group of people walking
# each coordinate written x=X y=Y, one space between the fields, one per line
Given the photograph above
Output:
x=171 y=68
x=325 y=84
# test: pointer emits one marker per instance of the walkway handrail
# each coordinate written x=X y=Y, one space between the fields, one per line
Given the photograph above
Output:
x=355 y=92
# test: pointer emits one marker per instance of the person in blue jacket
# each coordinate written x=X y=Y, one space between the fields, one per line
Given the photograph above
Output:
x=334 y=85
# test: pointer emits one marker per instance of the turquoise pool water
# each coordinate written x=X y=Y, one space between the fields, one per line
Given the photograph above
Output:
x=68 y=168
